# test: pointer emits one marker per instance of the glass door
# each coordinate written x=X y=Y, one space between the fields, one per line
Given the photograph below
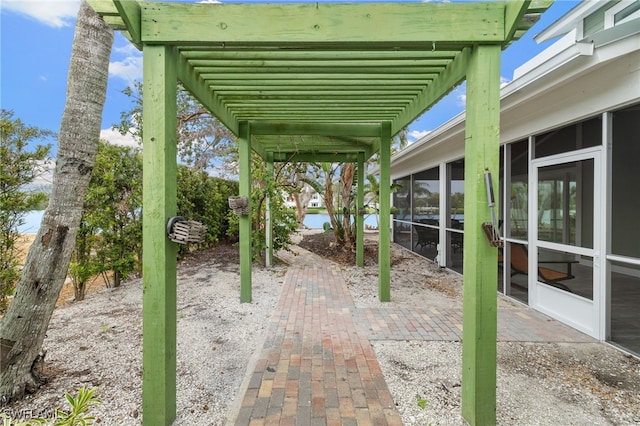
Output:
x=563 y=248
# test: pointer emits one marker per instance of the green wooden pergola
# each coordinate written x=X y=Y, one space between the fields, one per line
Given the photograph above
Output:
x=321 y=82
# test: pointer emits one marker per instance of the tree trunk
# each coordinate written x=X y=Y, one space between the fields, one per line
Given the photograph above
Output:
x=302 y=199
x=328 y=202
x=23 y=328
x=346 y=183
x=79 y=290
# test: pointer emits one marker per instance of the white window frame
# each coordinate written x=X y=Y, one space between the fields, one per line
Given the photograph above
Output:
x=610 y=15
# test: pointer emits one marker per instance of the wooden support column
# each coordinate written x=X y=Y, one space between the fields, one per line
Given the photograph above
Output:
x=244 y=146
x=269 y=218
x=360 y=218
x=482 y=147
x=159 y=254
x=384 y=235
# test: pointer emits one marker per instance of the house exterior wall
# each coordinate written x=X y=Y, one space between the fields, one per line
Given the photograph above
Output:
x=579 y=85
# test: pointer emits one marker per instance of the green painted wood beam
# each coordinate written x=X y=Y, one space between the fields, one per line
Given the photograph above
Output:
x=116 y=23
x=258 y=148
x=448 y=80
x=539 y=6
x=315 y=158
x=269 y=221
x=480 y=264
x=316 y=22
x=335 y=106
x=335 y=109
x=159 y=254
x=244 y=147
x=104 y=7
x=313 y=90
x=198 y=89
x=364 y=75
x=372 y=71
x=336 y=118
x=131 y=15
x=513 y=14
x=192 y=52
x=244 y=101
x=360 y=217
x=384 y=234
x=318 y=117
x=315 y=145
x=318 y=84
x=237 y=65
x=309 y=151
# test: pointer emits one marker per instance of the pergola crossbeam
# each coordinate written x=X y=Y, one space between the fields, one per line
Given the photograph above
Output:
x=180 y=23
x=319 y=82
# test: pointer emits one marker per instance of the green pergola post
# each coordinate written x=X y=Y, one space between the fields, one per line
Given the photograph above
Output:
x=384 y=235
x=359 y=217
x=159 y=254
x=269 y=218
x=482 y=147
x=244 y=147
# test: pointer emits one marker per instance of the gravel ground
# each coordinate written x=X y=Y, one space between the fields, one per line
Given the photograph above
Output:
x=537 y=384
x=97 y=343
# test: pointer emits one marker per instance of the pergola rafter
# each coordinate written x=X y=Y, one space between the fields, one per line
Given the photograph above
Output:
x=321 y=82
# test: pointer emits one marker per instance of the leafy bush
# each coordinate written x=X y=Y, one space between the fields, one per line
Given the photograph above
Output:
x=203 y=198
x=109 y=237
x=265 y=186
x=77 y=416
x=19 y=167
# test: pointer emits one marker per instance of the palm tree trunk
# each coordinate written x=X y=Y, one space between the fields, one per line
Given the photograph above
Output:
x=346 y=182
x=23 y=328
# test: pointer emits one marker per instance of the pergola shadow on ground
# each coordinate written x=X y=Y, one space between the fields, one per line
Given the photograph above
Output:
x=325 y=82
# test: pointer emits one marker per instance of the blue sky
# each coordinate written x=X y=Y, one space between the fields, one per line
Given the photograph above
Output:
x=35 y=45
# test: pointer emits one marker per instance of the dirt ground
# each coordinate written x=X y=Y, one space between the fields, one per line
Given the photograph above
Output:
x=324 y=244
x=67 y=293
x=538 y=383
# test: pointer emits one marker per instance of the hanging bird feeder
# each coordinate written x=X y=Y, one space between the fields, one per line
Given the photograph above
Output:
x=239 y=205
x=184 y=231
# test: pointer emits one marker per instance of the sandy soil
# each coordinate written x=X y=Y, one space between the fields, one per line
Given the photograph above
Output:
x=67 y=293
x=97 y=343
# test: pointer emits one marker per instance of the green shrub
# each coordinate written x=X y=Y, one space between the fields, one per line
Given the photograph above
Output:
x=203 y=198
x=78 y=415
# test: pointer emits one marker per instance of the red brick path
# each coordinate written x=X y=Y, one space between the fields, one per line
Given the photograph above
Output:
x=317 y=366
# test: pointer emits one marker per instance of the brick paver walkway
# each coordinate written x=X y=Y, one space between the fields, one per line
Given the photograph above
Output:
x=317 y=366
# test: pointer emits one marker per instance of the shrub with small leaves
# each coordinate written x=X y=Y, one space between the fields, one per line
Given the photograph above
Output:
x=78 y=416
x=80 y=405
x=422 y=403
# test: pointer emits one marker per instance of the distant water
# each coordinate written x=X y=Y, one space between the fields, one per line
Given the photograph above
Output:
x=313 y=221
x=316 y=221
x=31 y=222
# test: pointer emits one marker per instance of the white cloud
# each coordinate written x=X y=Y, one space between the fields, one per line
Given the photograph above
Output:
x=54 y=13
x=128 y=69
x=115 y=138
x=127 y=49
x=44 y=179
x=415 y=135
x=210 y=1
x=461 y=99
x=461 y=92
